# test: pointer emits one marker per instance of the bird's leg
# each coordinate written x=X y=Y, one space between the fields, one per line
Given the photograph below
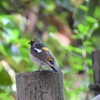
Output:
x=40 y=68
x=44 y=67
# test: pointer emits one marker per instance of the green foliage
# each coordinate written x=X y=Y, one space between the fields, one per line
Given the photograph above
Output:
x=72 y=59
x=5 y=96
x=5 y=76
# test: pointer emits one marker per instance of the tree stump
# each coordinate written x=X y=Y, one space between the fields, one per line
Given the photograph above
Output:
x=40 y=85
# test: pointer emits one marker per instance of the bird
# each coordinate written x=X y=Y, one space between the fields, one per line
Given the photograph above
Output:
x=41 y=55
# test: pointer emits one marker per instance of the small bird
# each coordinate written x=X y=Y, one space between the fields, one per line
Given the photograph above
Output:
x=41 y=55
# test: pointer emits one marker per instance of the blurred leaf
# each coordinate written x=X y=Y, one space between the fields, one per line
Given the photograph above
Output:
x=84 y=8
x=91 y=5
x=52 y=30
x=75 y=58
x=1 y=68
x=50 y=6
x=96 y=12
x=63 y=16
x=3 y=50
x=78 y=67
x=21 y=42
x=89 y=61
x=75 y=49
x=5 y=78
x=40 y=25
x=91 y=19
x=89 y=49
x=19 y=67
x=5 y=4
x=81 y=28
x=17 y=59
x=80 y=15
x=6 y=96
x=86 y=43
x=95 y=26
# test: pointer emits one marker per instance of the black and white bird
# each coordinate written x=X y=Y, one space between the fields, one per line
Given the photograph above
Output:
x=41 y=55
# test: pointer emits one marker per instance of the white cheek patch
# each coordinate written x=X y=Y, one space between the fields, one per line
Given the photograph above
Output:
x=38 y=50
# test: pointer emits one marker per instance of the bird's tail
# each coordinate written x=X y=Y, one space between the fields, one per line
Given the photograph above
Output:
x=55 y=67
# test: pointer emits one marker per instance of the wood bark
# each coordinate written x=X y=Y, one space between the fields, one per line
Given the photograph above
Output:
x=40 y=85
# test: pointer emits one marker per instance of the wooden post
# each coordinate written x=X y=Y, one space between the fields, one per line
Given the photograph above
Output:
x=40 y=85
x=96 y=71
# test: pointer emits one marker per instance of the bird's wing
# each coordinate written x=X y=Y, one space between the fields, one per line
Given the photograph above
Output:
x=43 y=53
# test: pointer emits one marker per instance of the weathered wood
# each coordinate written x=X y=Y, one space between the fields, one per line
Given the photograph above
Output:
x=40 y=85
x=96 y=71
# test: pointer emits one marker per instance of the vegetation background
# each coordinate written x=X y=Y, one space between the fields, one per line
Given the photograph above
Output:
x=70 y=28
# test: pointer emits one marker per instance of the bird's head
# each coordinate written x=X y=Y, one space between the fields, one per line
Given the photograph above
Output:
x=34 y=41
x=31 y=42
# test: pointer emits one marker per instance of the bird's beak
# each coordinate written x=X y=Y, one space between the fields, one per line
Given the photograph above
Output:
x=29 y=43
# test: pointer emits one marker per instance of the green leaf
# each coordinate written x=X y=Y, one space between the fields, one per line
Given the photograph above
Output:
x=97 y=12
x=75 y=49
x=78 y=67
x=91 y=19
x=3 y=50
x=83 y=28
x=21 y=42
x=89 y=61
x=84 y=8
x=5 y=78
x=89 y=49
x=40 y=25
x=6 y=96
x=50 y=6
x=1 y=67
x=86 y=43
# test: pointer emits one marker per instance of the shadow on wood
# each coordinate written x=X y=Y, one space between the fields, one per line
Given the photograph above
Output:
x=40 y=85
